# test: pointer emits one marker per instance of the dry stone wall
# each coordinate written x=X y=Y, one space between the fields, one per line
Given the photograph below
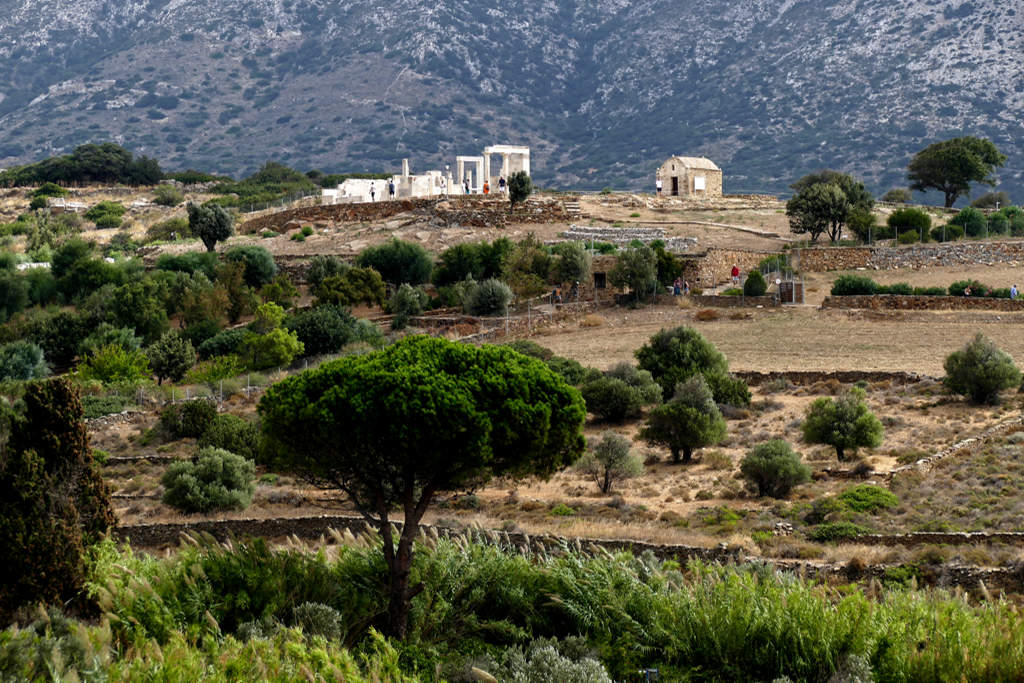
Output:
x=820 y=259
x=715 y=265
x=443 y=213
x=923 y=303
x=807 y=378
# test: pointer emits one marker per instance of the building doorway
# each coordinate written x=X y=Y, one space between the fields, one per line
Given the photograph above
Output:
x=675 y=186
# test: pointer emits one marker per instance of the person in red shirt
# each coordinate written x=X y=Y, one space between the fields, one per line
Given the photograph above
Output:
x=735 y=274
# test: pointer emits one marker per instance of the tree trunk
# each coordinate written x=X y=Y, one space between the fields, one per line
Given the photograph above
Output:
x=607 y=485
x=675 y=453
x=840 y=454
x=950 y=199
x=399 y=559
x=687 y=455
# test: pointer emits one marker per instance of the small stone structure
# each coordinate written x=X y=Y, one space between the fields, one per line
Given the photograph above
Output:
x=690 y=177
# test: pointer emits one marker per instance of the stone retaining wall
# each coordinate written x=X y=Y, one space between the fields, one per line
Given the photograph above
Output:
x=455 y=211
x=820 y=259
x=923 y=303
x=806 y=378
x=154 y=536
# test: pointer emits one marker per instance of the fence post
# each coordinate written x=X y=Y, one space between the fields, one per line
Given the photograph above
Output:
x=172 y=394
x=222 y=391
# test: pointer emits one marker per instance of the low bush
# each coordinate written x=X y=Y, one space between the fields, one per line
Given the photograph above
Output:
x=611 y=399
x=868 y=498
x=168 y=195
x=773 y=469
x=733 y=291
x=232 y=433
x=104 y=208
x=223 y=344
x=489 y=298
x=836 y=531
x=897 y=288
x=214 y=480
x=170 y=229
x=908 y=237
x=188 y=419
x=960 y=288
x=930 y=291
x=755 y=284
x=853 y=285
x=980 y=371
x=971 y=220
x=728 y=390
x=947 y=233
x=260 y=268
x=909 y=218
x=98 y=406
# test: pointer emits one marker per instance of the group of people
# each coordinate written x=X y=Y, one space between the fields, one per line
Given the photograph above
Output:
x=574 y=294
x=680 y=286
x=502 y=187
x=1013 y=291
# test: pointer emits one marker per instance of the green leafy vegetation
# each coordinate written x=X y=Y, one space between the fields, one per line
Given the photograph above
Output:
x=214 y=480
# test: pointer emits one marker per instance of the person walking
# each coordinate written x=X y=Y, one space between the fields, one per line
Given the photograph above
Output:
x=686 y=287
x=556 y=296
x=391 y=189
x=677 y=286
x=657 y=186
x=373 y=193
x=501 y=185
x=1013 y=292
x=735 y=274
x=466 y=185
x=574 y=293
x=487 y=188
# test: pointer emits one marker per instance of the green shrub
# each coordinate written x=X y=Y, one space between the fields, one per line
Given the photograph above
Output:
x=260 y=268
x=733 y=291
x=570 y=370
x=611 y=399
x=971 y=220
x=908 y=237
x=108 y=222
x=853 y=285
x=947 y=233
x=316 y=619
x=188 y=419
x=21 y=361
x=531 y=349
x=407 y=301
x=836 y=531
x=868 y=498
x=489 y=298
x=844 y=423
x=323 y=266
x=728 y=390
x=190 y=262
x=37 y=203
x=324 y=329
x=562 y=510
x=959 y=288
x=755 y=284
x=998 y=224
x=930 y=291
x=999 y=293
x=50 y=190
x=214 y=480
x=98 y=406
x=307 y=231
x=398 y=262
x=773 y=469
x=298 y=237
x=775 y=264
x=104 y=208
x=111 y=364
x=170 y=229
x=902 y=288
x=909 y=218
x=223 y=344
x=980 y=371
x=234 y=434
x=168 y=195
x=545 y=661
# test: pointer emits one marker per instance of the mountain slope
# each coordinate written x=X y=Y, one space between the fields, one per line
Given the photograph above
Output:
x=603 y=90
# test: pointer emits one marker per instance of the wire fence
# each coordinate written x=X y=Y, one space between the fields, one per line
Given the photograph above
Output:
x=279 y=203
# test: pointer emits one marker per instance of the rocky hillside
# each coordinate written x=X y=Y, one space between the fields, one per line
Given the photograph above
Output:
x=602 y=90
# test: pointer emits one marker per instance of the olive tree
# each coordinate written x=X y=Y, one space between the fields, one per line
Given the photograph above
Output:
x=674 y=356
x=609 y=460
x=950 y=166
x=210 y=222
x=636 y=268
x=171 y=357
x=980 y=370
x=420 y=417
x=690 y=420
x=844 y=423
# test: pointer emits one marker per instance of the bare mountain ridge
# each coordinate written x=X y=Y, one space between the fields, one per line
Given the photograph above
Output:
x=603 y=91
